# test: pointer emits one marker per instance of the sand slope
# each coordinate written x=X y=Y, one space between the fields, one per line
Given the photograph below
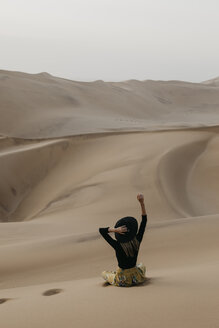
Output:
x=63 y=176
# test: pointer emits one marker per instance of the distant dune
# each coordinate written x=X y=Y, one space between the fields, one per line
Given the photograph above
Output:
x=73 y=156
x=55 y=107
x=213 y=82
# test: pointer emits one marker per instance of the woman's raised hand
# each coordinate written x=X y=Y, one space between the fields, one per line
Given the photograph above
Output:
x=121 y=230
x=140 y=198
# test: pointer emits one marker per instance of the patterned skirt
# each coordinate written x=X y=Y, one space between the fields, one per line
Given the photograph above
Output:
x=126 y=277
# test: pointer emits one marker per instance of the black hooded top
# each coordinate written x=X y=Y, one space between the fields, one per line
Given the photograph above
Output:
x=124 y=262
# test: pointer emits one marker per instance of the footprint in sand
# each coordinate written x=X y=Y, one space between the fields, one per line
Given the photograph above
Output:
x=3 y=300
x=54 y=291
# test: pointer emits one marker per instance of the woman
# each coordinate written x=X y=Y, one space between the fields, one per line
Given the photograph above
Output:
x=126 y=246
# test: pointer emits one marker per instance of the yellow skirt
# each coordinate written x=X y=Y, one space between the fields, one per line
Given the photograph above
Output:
x=126 y=277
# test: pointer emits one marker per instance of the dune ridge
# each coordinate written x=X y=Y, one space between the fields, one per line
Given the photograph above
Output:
x=56 y=107
x=174 y=171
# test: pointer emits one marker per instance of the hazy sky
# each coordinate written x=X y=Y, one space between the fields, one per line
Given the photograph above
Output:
x=111 y=40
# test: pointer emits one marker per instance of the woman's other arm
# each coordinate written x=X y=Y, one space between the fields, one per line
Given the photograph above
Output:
x=105 y=233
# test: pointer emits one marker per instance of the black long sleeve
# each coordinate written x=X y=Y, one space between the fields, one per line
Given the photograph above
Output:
x=141 y=230
x=104 y=232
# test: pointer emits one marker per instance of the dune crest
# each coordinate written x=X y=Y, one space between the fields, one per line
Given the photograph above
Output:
x=55 y=107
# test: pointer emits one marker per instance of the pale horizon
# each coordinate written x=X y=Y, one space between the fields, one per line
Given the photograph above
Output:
x=111 y=41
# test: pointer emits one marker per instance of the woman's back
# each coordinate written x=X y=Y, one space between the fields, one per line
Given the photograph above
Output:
x=124 y=261
x=126 y=248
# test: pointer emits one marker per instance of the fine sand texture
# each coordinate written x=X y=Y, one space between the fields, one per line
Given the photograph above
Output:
x=73 y=157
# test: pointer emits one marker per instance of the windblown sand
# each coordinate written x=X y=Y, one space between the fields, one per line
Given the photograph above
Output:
x=73 y=156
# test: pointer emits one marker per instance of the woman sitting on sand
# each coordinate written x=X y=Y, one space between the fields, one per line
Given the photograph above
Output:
x=126 y=247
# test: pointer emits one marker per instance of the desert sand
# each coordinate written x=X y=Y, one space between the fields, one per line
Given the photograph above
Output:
x=73 y=157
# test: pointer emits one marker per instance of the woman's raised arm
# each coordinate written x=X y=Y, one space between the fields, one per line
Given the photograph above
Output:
x=141 y=230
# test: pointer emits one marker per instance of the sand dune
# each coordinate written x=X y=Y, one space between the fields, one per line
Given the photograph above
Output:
x=213 y=82
x=73 y=156
x=55 y=107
